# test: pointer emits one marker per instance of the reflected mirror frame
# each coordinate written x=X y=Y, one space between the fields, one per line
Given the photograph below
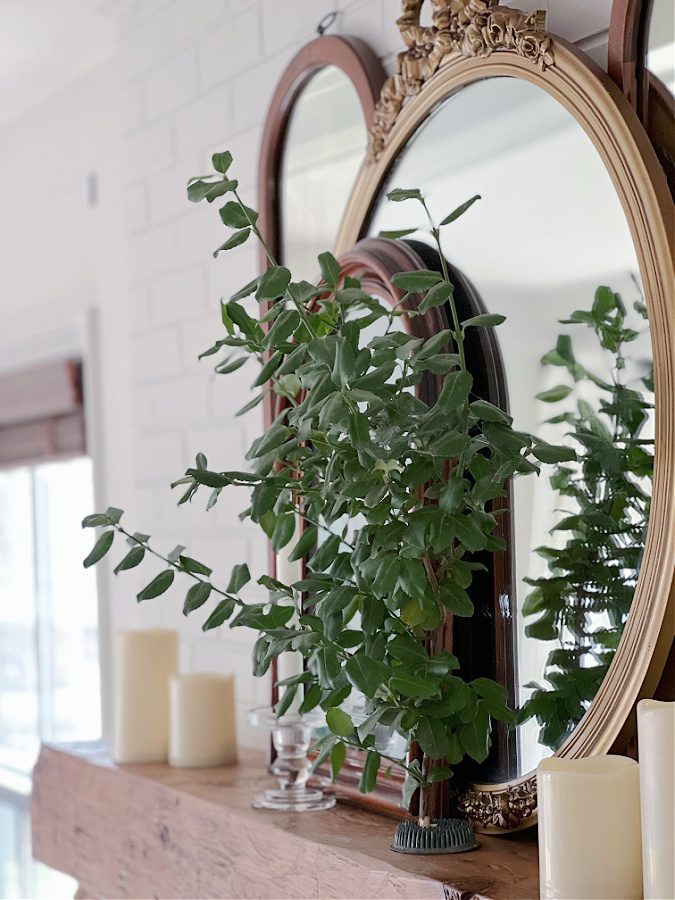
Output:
x=618 y=136
x=627 y=66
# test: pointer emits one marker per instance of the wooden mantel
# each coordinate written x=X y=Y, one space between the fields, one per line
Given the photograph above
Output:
x=153 y=831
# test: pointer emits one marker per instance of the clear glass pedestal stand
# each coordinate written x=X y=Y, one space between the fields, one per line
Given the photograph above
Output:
x=291 y=734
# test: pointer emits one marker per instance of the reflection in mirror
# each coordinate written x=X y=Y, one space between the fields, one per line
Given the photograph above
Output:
x=548 y=231
x=660 y=48
x=325 y=145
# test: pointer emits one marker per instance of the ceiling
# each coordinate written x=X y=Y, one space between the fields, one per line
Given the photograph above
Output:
x=46 y=43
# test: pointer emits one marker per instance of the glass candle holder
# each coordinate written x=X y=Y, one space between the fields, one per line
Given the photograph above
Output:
x=291 y=735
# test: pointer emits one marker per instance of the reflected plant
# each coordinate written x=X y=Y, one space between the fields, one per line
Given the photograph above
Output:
x=354 y=441
x=584 y=601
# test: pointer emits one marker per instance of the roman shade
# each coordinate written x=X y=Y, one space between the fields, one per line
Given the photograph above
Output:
x=41 y=413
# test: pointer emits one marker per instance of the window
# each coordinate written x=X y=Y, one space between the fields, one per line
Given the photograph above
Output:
x=49 y=672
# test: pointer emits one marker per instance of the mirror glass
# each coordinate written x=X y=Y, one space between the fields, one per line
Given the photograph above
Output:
x=325 y=145
x=576 y=362
x=661 y=43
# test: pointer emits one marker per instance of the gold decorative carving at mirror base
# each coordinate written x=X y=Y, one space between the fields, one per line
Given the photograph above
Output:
x=474 y=28
x=496 y=809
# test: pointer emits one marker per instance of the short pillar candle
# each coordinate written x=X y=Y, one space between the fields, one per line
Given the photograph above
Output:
x=144 y=663
x=656 y=747
x=589 y=828
x=203 y=724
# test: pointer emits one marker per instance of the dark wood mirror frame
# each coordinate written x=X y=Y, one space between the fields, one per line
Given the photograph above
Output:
x=626 y=65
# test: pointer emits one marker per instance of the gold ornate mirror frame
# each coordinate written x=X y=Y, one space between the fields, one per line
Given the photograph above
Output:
x=471 y=40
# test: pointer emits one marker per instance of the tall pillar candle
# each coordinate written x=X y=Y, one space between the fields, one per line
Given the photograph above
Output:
x=656 y=746
x=289 y=571
x=589 y=828
x=144 y=664
x=203 y=729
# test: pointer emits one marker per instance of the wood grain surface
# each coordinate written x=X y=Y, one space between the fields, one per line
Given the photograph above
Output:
x=152 y=831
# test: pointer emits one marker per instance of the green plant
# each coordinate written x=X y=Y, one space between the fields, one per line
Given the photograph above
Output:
x=355 y=441
x=584 y=602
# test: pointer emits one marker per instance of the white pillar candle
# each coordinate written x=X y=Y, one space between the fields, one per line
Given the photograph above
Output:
x=589 y=828
x=144 y=663
x=203 y=725
x=656 y=746
x=289 y=571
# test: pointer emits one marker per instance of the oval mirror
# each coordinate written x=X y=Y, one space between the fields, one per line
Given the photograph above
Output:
x=569 y=243
x=562 y=368
x=315 y=138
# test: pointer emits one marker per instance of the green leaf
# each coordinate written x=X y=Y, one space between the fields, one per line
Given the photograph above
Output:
x=455 y=391
x=197 y=596
x=486 y=320
x=222 y=161
x=548 y=453
x=231 y=365
x=239 y=577
x=236 y=215
x=263 y=498
x=159 y=584
x=330 y=269
x=474 y=736
x=410 y=787
x=100 y=548
x=194 y=566
x=367 y=675
x=132 y=559
x=432 y=736
x=95 y=520
x=400 y=194
x=339 y=722
x=452 y=495
x=456 y=213
x=283 y=531
x=413 y=686
x=305 y=544
x=438 y=295
x=456 y=599
x=417 y=280
x=247 y=289
x=553 y=395
x=337 y=758
x=488 y=412
x=395 y=235
x=369 y=774
x=114 y=514
x=273 y=283
x=439 y=773
x=233 y=241
x=490 y=690
x=359 y=431
x=312 y=698
x=287 y=698
x=220 y=614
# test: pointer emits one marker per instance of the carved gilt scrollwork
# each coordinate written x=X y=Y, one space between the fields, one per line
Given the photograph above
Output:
x=474 y=28
x=503 y=809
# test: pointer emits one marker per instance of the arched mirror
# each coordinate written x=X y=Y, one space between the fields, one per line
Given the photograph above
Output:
x=314 y=141
x=570 y=242
x=641 y=60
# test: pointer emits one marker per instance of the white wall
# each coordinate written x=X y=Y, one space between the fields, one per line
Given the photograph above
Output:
x=191 y=77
